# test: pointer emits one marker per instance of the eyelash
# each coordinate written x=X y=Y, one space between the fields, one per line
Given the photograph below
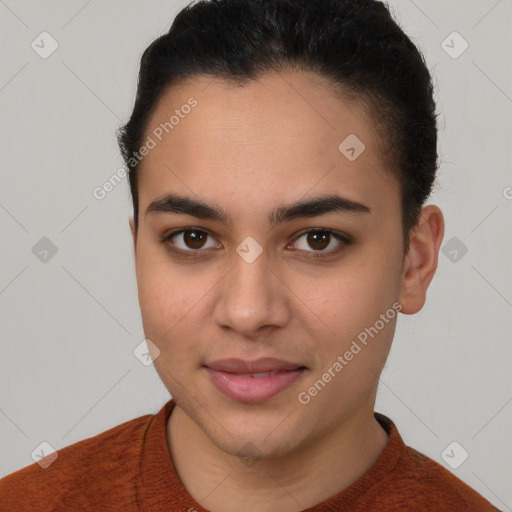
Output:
x=316 y=254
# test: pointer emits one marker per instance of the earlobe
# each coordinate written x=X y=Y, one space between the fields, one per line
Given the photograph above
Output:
x=421 y=260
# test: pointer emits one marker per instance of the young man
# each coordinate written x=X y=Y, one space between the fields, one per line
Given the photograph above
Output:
x=281 y=152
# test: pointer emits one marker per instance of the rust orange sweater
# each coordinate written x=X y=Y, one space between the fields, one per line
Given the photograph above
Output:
x=129 y=468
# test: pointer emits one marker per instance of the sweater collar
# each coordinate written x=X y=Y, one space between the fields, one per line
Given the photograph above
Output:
x=160 y=487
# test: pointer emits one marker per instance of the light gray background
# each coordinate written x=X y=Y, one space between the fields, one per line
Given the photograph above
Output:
x=69 y=325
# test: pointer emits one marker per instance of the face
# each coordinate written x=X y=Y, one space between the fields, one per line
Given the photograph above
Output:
x=248 y=288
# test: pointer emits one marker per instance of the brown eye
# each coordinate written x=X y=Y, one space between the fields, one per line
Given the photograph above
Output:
x=318 y=239
x=194 y=239
x=189 y=241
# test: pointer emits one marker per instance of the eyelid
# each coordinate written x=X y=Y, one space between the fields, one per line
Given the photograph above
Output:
x=343 y=238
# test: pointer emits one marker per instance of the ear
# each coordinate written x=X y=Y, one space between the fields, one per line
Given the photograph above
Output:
x=134 y=233
x=420 y=263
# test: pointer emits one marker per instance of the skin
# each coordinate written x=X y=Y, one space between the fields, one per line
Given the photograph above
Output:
x=251 y=149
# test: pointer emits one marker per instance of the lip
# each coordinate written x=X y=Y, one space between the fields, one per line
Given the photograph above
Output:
x=265 y=364
x=232 y=377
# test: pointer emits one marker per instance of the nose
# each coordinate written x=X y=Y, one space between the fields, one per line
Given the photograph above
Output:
x=252 y=298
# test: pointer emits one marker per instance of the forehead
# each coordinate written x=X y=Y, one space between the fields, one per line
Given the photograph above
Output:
x=274 y=138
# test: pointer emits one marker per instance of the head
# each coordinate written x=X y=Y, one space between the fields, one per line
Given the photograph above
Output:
x=246 y=108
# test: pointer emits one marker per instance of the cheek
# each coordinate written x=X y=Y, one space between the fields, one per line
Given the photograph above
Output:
x=342 y=314
x=160 y=308
x=165 y=318
x=372 y=283
x=171 y=301
x=164 y=296
x=350 y=298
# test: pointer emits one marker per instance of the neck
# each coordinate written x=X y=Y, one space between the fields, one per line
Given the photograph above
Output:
x=221 y=482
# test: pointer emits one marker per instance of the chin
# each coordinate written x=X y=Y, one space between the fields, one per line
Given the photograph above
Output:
x=254 y=436
x=251 y=448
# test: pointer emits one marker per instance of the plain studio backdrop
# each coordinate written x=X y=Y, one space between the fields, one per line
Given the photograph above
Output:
x=70 y=320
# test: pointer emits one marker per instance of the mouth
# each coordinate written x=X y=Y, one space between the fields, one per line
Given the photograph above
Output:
x=253 y=381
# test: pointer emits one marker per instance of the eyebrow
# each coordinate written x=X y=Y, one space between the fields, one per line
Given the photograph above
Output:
x=175 y=204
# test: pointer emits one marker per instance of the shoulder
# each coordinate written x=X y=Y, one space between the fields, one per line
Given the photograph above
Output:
x=419 y=480
x=84 y=473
